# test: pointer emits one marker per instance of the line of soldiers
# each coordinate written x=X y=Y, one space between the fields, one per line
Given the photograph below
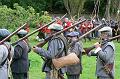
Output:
x=58 y=46
x=17 y=56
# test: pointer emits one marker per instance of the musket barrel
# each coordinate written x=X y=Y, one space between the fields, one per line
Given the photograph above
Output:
x=90 y=31
x=13 y=33
x=63 y=16
x=68 y=28
x=37 y=30
x=113 y=38
x=41 y=44
x=33 y=32
x=87 y=50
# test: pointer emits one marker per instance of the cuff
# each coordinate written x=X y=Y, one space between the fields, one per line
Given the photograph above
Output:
x=37 y=50
x=97 y=50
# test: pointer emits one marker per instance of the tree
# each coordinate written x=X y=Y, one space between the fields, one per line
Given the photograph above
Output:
x=115 y=7
x=96 y=9
x=74 y=7
x=107 y=12
x=112 y=8
x=118 y=13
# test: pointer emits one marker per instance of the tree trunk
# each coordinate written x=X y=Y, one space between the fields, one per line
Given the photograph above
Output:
x=74 y=7
x=96 y=9
x=107 y=12
x=118 y=13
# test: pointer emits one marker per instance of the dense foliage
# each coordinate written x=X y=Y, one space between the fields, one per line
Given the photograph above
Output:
x=58 y=5
x=13 y=13
x=12 y=18
x=38 y=5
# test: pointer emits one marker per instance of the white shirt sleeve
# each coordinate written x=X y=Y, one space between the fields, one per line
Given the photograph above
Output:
x=97 y=50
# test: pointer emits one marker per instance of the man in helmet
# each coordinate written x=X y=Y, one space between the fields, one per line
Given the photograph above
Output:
x=74 y=71
x=105 y=55
x=6 y=53
x=56 y=49
x=20 y=64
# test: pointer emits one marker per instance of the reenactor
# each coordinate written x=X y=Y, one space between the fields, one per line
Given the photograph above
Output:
x=58 y=20
x=74 y=71
x=67 y=23
x=41 y=34
x=56 y=49
x=6 y=54
x=105 y=55
x=20 y=63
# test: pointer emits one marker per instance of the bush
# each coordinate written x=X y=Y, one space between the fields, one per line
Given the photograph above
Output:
x=12 y=18
x=6 y=17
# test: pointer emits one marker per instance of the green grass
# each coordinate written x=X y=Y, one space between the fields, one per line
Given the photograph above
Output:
x=89 y=63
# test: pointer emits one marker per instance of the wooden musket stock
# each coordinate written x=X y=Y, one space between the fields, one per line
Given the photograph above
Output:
x=87 y=50
x=114 y=38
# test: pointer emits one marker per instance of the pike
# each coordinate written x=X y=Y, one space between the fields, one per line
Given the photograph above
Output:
x=41 y=44
x=13 y=33
x=28 y=35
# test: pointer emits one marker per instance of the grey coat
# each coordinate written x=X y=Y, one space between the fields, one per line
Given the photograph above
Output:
x=76 y=69
x=3 y=56
x=20 y=62
x=105 y=55
x=56 y=49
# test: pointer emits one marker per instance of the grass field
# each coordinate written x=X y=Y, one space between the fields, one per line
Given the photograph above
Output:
x=88 y=63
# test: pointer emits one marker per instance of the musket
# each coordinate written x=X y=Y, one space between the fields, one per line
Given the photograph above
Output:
x=41 y=44
x=63 y=16
x=33 y=32
x=100 y=25
x=28 y=35
x=107 y=67
x=9 y=36
x=114 y=38
x=13 y=33
x=87 y=50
